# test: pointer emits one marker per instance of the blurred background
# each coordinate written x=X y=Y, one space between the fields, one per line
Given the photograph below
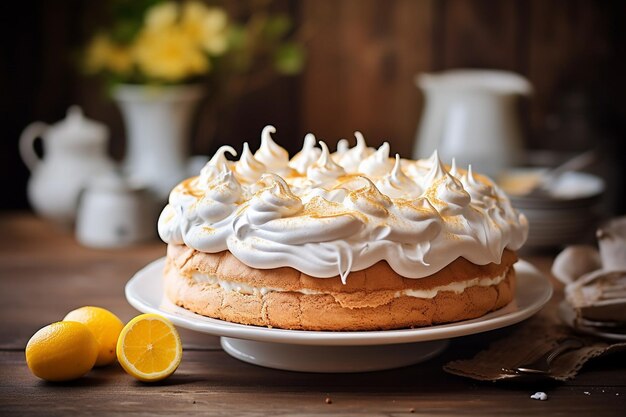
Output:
x=358 y=73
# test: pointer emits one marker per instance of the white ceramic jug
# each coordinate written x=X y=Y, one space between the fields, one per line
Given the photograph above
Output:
x=471 y=115
x=74 y=151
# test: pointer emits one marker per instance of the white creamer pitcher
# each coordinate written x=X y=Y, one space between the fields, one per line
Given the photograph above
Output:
x=472 y=115
x=113 y=212
x=74 y=151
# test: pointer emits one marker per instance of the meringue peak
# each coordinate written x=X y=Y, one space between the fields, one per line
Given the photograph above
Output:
x=248 y=168
x=325 y=159
x=271 y=154
x=217 y=163
x=307 y=156
x=342 y=146
x=397 y=175
x=360 y=140
x=378 y=163
x=437 y=168
x=382 y=154
x=309 y=141
x=219 y=157
x=397 y=184
x=453 y=171
x=325 y=169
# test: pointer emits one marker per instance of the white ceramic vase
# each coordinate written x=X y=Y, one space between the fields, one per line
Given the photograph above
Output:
x=158 y=121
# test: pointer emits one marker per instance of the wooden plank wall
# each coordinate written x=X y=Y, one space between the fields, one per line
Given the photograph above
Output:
x=365 y=53
x=363 y=56
x=362 y=62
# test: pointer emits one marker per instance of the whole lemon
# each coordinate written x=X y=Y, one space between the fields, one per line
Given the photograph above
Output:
x=62 y=351
x=104 y=325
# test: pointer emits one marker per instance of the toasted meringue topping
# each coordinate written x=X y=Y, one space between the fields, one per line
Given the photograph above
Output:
x=273 y=156
x=351 y=158
x=332 y=214
x=248 y=168
x=325 y=170
x=453 y=171
x=397 y=185
x=217 y=164
x=377 y=164
x=307 y=156
x=342 y=146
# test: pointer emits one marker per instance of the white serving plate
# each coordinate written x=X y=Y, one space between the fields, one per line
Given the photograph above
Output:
x=323 y=351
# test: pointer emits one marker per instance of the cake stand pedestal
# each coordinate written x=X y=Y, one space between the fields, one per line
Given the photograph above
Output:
x=305 y=358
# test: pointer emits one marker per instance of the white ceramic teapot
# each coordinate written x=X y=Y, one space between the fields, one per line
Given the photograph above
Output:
x=471 y=115
x=74 y=152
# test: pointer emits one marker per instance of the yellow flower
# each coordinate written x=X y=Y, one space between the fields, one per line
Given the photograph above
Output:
x=97 y=53
x=215 y=26
x=206 y=25
x=193 y=13
x=120 y=60
x=102 y=54
x=169 y=54
x=162 y=16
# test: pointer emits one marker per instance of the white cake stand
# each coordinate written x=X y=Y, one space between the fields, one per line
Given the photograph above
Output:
x=319 y=351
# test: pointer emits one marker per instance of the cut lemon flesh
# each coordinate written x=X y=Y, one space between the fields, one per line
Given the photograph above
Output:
x=149 y=348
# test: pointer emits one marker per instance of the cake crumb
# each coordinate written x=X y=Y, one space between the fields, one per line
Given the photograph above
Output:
x=411 y=410
x=328 y=400
x=541 y=396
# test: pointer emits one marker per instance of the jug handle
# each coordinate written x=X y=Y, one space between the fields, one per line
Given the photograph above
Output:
x=27 y=140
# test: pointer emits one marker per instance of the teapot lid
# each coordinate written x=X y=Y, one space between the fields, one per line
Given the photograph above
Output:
x=77 y=127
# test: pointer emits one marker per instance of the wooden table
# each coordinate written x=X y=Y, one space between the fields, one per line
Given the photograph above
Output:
x=44 y=274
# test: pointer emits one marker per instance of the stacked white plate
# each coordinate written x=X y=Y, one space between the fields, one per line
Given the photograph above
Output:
x=568 y=213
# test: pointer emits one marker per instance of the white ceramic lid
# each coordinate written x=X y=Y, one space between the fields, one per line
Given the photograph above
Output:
x=78 y=128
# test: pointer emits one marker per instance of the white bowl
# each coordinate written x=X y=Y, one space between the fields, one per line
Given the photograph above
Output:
x=568 y=214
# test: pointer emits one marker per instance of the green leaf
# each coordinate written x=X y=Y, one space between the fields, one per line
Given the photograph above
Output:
x=237 y=37
x=131 y=9
x=277 y=27
x=289 y=58
x=125 y=31
x=128 y=18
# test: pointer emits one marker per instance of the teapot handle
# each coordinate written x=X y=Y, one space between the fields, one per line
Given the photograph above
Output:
x=27 y=139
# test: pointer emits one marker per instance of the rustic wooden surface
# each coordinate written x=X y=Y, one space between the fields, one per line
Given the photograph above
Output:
x=44 y=274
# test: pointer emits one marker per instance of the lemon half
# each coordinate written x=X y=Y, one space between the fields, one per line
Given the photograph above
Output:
x=149 y=348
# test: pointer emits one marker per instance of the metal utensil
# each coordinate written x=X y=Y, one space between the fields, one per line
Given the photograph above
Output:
x=542 y=364
x=619 y=326
x=544 y=183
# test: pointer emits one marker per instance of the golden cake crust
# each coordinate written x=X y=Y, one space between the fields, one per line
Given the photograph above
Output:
x=369 y=300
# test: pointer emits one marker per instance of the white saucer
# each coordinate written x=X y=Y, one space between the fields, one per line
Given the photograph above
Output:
x=318 y=351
